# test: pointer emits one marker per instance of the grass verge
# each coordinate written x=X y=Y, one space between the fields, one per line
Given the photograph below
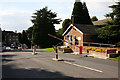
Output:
x=116 y=58
x=46 y=49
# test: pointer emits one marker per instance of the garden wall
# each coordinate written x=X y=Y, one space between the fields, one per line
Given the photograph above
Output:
x=100 y=52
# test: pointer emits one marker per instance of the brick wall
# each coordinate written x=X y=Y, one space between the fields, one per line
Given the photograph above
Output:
x=76 y=33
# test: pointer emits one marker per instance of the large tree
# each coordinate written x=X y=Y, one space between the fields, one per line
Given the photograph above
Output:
x=81 y=14
x=29 y=33
x=44 y=21
x=66 y=23
x=94 y=18
x=111 y=32
x=19 y=38
x=23 y=39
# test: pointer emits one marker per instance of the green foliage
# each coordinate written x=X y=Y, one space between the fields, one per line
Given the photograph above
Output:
x=29 y=33
x=23 y=39
x=66 y=23
x=111 y=32
x=47 y=49
x=89 y=48
x=1 y=35
x=81 y=14
x=44 y=21
x=93 y=49
x=94 y=18
x=96 y=49
x=60 y=32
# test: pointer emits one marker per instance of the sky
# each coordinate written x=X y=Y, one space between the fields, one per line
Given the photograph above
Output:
x=16 y=14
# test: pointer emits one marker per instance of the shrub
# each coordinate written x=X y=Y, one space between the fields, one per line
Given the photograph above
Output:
x=98 y=50
x=103 y=50
x=93 y=49
x=89 y=48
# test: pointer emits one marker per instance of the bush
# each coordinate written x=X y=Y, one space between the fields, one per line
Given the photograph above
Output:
x=103 y=50
x=98 y=50
x=89 y=48
x=93 y=49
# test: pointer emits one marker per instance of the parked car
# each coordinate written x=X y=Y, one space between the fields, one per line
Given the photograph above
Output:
x=2 y=48
x=13 y=46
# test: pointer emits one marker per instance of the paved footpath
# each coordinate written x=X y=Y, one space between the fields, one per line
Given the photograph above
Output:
x=25 y=65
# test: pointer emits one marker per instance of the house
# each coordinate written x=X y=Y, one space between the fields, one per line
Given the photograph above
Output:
x=9 y=37
x=0 y=37
x=78 y=34
x=102 y=22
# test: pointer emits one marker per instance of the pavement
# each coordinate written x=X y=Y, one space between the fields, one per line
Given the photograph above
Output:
x=23 y=64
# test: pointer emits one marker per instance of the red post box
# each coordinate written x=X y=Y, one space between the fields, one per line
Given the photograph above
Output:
x=80 y=49
x=20 y=49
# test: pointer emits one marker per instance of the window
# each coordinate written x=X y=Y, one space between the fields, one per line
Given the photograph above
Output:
x=71 y=38
x=65 y=37
x=74 y=37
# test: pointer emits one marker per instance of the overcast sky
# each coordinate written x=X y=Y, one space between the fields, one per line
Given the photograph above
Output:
x=16 y=14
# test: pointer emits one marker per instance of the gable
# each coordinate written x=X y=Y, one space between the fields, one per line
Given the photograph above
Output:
x=70 y=28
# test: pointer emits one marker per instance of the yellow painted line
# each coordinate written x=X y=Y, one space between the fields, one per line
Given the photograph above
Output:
x=84 y=67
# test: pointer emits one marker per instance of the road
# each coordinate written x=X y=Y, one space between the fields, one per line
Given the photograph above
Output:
x=23 y=64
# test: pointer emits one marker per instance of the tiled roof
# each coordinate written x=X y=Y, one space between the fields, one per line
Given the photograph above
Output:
x=101 y=22
x=87 y=29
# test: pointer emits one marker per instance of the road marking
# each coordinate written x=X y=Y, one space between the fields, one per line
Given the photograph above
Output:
x=84 y=67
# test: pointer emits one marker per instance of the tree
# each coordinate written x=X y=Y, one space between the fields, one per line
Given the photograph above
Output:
x=29 y=33
x=80 y=14
x=87 y=17
x=24 y=39
x=94 y=18
x=60 y=32
x=1 y=37
x=111 y=32
x=19 y=38
x=66 y=23
x=44 y=21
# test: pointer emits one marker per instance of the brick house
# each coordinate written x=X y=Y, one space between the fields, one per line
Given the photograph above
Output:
x=78 y=34
x=10 y=37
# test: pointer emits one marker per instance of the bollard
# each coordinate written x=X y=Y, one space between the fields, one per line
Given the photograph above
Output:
x=20 y=49
x=56 y=52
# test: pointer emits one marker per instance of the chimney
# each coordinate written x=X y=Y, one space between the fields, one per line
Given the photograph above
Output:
x=72 y=19
x=15 y=31
x=77 y=0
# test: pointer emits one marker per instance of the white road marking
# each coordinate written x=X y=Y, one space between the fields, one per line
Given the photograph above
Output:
x=84 y=67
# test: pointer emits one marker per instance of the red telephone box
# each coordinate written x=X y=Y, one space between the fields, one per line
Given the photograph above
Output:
x=80 y=49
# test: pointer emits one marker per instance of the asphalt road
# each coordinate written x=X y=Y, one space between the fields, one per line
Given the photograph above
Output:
x=25 y=65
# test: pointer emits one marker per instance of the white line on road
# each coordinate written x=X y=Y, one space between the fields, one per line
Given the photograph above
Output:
x=84 y=67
